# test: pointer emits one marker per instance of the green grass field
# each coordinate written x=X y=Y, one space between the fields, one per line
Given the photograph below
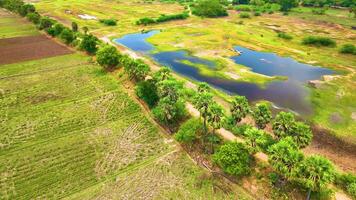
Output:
x=10 y=26
x=70 y=130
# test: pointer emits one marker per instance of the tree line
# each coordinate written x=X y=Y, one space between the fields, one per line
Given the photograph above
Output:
x=167 y=98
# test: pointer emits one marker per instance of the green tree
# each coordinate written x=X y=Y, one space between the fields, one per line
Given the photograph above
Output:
x=203 y=87
x=58 y=28
x=108 y=57
x=262 y=115
x=209 y=8
x=169 y=89
x=45 y=23
x=301 y=134
x=314 y=173
x=74 y=27
x=253 y=135
x=33 y=17
x=189 y=130
x=169 y=112
x=147 y=91
x=215 y=116
x=284 y=156
x=233 y=158
x=67 y=36
x=26 y=8
x=202 y=102
x=89 y=43
x=283 y=124
x=239 y=108
x=287 y=5
x=164 y=73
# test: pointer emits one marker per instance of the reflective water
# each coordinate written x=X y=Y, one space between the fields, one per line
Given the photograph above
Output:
x=291 y=94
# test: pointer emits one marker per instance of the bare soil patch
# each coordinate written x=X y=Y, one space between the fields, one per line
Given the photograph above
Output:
x=340 y=152
x=13 y=50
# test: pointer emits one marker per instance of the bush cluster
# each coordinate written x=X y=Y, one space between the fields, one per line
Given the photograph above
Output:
x=162 y=18
x=348 y=49
x=319 y=41
x=284 y=36
x=108 y=22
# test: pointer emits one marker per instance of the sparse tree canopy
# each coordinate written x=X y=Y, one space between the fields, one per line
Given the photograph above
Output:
x=233 y=158
x=301 y=134
x=283 y=124
x=253 y=135
x=203 y=87
x=202 y=102
x=215 y=116
x=239 y=108
x=262 y=115
x=314 y=173
x=284 y=156
x=162 y=74
x=169 y=89
x=168 y=112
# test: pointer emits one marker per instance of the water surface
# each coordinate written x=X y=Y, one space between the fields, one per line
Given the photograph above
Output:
x=290 y=94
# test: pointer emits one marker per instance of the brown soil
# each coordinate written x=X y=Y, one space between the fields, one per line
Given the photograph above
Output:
x=341 y=153
x=13 y=50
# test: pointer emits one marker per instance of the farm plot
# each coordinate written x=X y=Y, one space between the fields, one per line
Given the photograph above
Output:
x=68 y=129
x=14 y=26
x=18 y=49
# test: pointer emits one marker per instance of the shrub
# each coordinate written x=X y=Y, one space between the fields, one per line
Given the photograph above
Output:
x=209 y=8
x=189 y=130
x=67 y=36
x=233 y=158
x=257 y=13
x=89 y=43
x=164 y=18
x=348 y=49
x=284 y=36
x=147 y=91
x=145 y=21
x=108 y=22
x=351 y=189
x=45 y=23
x=319 y=41
x=26 y=8
x=58 y=28
x=33 y=17
x=108 y=57
x=346 y=181
x=244 y=15
x=246 y=8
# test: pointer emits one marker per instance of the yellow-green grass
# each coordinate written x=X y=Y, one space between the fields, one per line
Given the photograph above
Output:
x=14 y=26
x=335 y=107
x=72 y=131
x=337 y=16
x=215 y=38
